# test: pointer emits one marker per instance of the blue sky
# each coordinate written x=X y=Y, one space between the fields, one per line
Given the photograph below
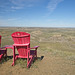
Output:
x=37 y=13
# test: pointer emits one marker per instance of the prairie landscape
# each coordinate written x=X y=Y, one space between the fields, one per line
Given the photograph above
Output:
x=56 y=54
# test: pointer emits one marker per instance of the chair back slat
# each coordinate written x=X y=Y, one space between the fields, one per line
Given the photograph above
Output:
x=22 y=50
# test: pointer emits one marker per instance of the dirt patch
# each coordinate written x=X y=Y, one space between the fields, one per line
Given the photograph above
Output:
x=49 y=65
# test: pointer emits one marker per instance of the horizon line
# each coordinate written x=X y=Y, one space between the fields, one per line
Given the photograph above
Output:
x=32 y=27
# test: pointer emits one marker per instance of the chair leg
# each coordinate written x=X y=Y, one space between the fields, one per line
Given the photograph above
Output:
x=1 y=56
x=36 y=54
x=16 y=57
x=13 y=56
x=5 y=53
x=30 y=61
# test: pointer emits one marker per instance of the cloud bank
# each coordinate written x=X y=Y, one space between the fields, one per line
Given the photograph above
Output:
x=20 y=4
x=13 y=5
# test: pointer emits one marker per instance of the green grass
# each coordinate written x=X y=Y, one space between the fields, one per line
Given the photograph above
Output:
x=58 y=41
x=5 y=59
x=21 y=62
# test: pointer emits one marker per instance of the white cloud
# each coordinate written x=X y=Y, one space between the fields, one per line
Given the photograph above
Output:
x=16 y=7
x=53 y=4
x=12 y=19
x=12 y=5
x=19 y=4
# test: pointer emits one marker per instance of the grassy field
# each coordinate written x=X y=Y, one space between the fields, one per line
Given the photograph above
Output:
x=57 y=46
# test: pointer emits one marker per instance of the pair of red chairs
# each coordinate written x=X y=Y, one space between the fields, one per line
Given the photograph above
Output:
x=22 y=44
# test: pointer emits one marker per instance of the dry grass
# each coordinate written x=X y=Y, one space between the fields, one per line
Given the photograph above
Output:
x=57 y=45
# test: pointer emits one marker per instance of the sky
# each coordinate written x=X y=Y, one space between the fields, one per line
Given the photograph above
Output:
x=37 y=13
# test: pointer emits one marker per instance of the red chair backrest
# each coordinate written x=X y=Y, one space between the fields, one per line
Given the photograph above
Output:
x=21 y=37
x=0 y=40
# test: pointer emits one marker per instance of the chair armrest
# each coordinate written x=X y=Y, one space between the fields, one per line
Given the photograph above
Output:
x=2 y=48
x=7 y=46
x=35 y=47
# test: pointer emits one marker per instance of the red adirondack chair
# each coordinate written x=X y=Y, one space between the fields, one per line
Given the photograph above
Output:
x=22 y=44
x=3 y=52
